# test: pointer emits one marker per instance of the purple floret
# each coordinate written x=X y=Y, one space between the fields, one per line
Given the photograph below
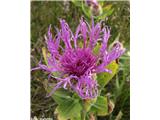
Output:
x=76 y=62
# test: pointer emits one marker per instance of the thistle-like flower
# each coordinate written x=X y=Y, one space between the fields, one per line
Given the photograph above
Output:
x=76 y=63
x=95 y=7
x=92 y=2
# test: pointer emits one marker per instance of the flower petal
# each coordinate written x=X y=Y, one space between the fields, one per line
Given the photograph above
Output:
x=65 y=34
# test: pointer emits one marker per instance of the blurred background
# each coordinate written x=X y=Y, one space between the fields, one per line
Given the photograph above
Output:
x=114 y=14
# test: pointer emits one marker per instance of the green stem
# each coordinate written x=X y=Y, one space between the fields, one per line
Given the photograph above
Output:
x=84 y=112
x=83 y=115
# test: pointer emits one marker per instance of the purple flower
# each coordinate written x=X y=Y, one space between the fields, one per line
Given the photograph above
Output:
x=76 y=63
x=94 y=6
x=92 y=3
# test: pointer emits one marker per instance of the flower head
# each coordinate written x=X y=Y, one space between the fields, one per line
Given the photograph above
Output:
x=95 y=7
x=91 y=2
x=76 y=63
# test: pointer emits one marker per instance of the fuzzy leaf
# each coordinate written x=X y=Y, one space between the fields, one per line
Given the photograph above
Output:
x=104 y=78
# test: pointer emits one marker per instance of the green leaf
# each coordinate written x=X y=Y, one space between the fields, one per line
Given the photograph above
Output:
x=105 y=14
x=76 y=118
x=88 y=103
x=86 y=10
x=69 y=109
x=108 y=7
x=61 y=95
x=104 y=78
x=77 y=3
x=100 y=107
